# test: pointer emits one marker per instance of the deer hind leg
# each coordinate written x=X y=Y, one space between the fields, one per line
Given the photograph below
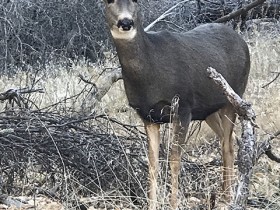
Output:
x=153 y=134
x=222 y=123
x=177 y=146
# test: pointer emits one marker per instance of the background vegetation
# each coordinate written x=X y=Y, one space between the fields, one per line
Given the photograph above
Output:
x=35 y=32
x=66 y=145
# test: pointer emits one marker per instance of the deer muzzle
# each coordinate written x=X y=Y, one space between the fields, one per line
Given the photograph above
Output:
x=126 y=24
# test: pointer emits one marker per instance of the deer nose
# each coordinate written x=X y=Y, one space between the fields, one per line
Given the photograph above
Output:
x=126 y=24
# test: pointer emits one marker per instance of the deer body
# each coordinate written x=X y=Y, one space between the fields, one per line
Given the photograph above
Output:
x=158 y=66
x=155 y=69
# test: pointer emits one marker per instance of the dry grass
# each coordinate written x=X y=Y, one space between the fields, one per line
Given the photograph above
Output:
x=265 y=59
x=63 y=83
x=265 y=54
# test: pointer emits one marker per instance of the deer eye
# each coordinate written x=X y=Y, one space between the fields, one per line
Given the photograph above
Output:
x=110 y=1
x=134 y=1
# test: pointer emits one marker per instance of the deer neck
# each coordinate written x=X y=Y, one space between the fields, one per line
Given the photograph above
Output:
x=130 y=51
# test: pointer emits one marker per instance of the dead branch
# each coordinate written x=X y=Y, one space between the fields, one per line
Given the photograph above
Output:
x=247 y=144
x=243 y=108
x=266 y=148
x=104 y=83
x=239 y=12
x=9 y=201
x=270 y=154
x=16 y=95
x=84 y=145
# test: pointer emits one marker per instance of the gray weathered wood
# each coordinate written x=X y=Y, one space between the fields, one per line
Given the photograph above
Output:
x=247 y=144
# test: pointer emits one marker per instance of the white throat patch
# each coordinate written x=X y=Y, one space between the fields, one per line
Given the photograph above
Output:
x=118 y=33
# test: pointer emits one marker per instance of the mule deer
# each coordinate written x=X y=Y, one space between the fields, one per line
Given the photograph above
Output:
x=160 y=65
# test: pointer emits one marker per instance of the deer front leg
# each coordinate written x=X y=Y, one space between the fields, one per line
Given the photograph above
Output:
x=177 y=146
x=153 y=134
x=175 y=164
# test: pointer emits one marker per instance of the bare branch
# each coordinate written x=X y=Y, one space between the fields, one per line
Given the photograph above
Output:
x=249 y=152
x=270 y=154
x=104 y=83
x=15 y=95
x=9 y=201
x=164 y=15
x=247 y=144
x=243 y=108
x=266 y=148
x=241 y=11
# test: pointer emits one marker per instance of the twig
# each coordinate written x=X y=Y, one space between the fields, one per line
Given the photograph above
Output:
x=276 y=77
x=30 y=90
x=274 y=136
x=86 y=80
